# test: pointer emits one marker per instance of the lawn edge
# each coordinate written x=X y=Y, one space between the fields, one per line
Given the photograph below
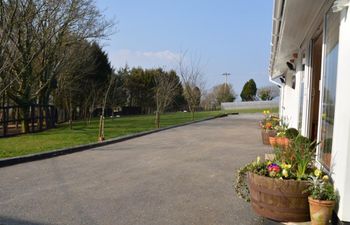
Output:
x=69 y=150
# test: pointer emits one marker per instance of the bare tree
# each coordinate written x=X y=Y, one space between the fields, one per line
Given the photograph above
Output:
x=101 y=130
x=192 y=81
x=35 y=40
x=165 y=91
x=268 y=93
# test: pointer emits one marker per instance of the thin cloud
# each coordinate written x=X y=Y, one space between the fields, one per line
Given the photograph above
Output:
x=148 y=59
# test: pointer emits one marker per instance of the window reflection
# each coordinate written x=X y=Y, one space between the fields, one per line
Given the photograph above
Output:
x=329 y=86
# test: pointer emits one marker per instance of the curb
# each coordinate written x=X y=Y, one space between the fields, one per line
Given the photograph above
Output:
x=64 y=151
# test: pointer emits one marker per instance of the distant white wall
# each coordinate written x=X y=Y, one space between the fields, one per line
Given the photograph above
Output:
x=249 y=105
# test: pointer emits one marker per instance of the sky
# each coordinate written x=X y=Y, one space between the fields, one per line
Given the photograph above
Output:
x=225 y=35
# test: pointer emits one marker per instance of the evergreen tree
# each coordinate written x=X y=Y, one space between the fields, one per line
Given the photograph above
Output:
x=249 y=91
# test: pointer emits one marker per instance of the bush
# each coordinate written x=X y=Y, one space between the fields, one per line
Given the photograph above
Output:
x=292 y=133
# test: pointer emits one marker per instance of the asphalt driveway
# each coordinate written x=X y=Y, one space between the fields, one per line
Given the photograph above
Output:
x=178 y=176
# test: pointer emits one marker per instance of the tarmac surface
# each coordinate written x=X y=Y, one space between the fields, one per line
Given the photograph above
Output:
x=181 y=176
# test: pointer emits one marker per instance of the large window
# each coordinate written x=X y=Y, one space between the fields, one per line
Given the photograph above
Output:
x=329 y=78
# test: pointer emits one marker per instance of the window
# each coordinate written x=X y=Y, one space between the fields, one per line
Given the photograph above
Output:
x=329 y=78
x=301 y=101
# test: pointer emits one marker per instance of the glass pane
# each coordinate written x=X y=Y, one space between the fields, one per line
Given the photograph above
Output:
x=301 y=102
x=329 y=86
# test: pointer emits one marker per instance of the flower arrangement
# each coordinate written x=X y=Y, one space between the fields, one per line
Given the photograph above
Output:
x=322 y=197
x=270 y=121
x=320 y=187
x=293 y=163
x=282 y=127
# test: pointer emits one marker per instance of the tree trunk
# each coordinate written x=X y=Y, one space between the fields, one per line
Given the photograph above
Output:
x=25 y=121
x=157 y=121
x=101 y=135
x=91 y=111
x=70 y=114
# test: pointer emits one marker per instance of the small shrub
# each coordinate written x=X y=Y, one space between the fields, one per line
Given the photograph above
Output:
x=292 y=133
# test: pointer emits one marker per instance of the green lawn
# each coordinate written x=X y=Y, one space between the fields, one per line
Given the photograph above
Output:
x=81 y=133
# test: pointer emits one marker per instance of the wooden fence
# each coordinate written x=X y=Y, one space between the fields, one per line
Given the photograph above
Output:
x=41 y=117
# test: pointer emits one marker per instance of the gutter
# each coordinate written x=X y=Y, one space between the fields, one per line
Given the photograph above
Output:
x=276 y=29
x=274 y=82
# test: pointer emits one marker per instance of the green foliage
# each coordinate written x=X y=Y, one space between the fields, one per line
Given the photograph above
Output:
x=321 y=188
x=292 y=133
x=240 y=185
x=265 y=95
x=140 y=85
x=282 y=127
x=268 y=93
x=224 y=93
x=249 y=91
x=304 y=151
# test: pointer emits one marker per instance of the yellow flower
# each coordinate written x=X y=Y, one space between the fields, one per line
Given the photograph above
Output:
x=258 y=159
x=318 y=173
x=286 y=166
x=325 y=178
x=268 y=111
x=269 y=162
x=285 y=173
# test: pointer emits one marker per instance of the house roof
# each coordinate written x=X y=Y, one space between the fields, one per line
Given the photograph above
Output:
x=292 y=20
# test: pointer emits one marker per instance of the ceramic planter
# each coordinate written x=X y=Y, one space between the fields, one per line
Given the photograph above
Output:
x=320 y=211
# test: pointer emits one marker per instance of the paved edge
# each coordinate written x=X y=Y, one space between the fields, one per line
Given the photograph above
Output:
x=64 y=151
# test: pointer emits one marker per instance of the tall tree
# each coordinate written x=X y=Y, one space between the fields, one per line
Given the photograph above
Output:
x=41 y=35
x=81 y=84
x=192 y=82
x=224 y=93
x=268 y=93
x=165 y=91
x=249 y=91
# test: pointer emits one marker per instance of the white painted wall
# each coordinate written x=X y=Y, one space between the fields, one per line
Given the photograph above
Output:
x=341 y=136
x=307 y=92
x=290 y=104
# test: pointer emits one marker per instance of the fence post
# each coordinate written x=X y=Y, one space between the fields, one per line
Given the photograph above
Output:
x=32 y=116
x=40 y=117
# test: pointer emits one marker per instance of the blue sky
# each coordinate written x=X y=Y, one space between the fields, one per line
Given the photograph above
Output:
x=227 y=35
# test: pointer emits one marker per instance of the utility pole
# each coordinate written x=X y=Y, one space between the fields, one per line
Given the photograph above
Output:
x=226 y=75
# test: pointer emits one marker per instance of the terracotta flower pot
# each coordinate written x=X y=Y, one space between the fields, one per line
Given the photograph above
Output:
x=273 y=141
x=265 y=137
x=265 y=134
x=282 y=142
x=320 y=211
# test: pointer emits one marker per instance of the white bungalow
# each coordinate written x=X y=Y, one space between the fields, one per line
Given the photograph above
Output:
x=310 y=61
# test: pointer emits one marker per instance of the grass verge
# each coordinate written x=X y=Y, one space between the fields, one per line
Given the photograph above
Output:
x=63 y=136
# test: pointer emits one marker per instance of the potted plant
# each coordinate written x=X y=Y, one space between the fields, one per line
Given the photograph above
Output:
x=268 y=124
x=273 y=141
x=321 y=199
x=276 y=188
x=281 y=139
x=291 y=133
